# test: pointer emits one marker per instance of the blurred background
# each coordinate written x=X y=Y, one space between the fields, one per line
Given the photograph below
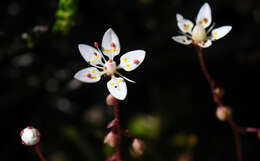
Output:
x=170 y=107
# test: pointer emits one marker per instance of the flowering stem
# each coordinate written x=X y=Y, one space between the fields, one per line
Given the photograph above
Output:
x=236 y=129
x=38 y=151
x=118 y=129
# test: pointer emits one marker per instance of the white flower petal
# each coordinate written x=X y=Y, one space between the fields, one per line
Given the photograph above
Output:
x=88 y=75
x=90 y=54
x=131 y=60
x=220 y=32
x=208 y=43
x=204 y=16
x=182 y=39
x=110 y=44
x=184 y=25
x=117 y=87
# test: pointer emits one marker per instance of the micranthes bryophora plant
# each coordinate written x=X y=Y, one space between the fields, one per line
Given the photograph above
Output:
x=102 y=61
x=202 y=38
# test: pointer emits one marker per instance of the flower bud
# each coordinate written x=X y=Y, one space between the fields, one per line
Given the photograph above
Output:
x=223 y=113
x=30 y=136
x=219 y=92
x=137 y=146
x=110 y=100
x=111 y=139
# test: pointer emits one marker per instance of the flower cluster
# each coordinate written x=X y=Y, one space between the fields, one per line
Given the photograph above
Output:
x=197 y=34
x=110 y=48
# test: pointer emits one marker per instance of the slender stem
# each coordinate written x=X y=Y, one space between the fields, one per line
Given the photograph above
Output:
x=236 y=129
x=38 y=151
x=118 y=129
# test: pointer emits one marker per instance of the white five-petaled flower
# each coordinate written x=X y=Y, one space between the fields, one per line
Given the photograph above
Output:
x=110 y=48
x=197 y=34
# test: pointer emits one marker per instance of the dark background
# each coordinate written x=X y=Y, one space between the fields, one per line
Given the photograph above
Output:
x=37 y=85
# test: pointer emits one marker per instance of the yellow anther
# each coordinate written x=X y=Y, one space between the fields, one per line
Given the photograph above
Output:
x=128 y=66
x=186 y=27
x=93 y=61
x=93 y=71
x=125 y=59
x=97 y=56
x=95 y=77
x=112 y=83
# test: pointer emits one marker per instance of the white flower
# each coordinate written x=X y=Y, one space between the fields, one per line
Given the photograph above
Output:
x=197 y=34
x=110 y=47
x=30 y=136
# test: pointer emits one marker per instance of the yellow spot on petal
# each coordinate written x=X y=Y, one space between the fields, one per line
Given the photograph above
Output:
x=95 y=77
x=115 y=50
x=186 y=27
x=119 y=81
x=93 y=71
x=107 y=50
x=128 y=66
x=215 y=34
x=93 y=61
x=125 y=59
x=98 y=55
x=201 y=22
x=112 y=83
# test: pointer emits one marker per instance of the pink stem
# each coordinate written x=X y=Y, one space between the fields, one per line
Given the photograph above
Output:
x=236 y=129
x=38 y=151
x=118 y=129
x=251 y=129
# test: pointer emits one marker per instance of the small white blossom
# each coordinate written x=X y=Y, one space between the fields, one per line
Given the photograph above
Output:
x=110 y=48
x=197 y=34
x=30 y=136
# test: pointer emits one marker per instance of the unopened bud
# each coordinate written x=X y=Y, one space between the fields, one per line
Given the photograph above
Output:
x=223 y=113
x=137 y=146
x=219 y=92
x=111 y=139
x=110 y=100
x=30 y=136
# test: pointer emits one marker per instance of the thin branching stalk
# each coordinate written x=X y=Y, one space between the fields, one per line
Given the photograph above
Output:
x=38 y=151
x=236 y=128
x=118 y=129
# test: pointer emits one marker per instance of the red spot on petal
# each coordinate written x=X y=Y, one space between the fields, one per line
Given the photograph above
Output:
x=113 y=45
x=205 y=20
x=95 y=53
x=110 y=61
x=96 y=44
x=136 y=61
x=89 y=75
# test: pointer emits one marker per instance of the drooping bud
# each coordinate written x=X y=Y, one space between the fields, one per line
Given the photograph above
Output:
x=30 y=136
x=111 y=139
x=137 y=146
x=223 y=112
x=110 y=100
x=199 y=34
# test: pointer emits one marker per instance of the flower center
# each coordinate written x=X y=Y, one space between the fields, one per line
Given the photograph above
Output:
x=110 y=67
x=199 y=34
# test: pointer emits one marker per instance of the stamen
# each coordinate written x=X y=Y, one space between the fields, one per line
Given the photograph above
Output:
x=96 y=44
x=95 y=53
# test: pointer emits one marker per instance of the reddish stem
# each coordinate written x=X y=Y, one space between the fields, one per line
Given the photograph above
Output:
x=236 y=129
x=118 y=129
x=38 y=151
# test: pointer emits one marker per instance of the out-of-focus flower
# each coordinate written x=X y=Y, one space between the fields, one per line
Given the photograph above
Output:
x=197 y=34
x=111 y=139
x=110 y=48
x=110 y=100
x=30 y=136
x=223 y=113
x=137 y=146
